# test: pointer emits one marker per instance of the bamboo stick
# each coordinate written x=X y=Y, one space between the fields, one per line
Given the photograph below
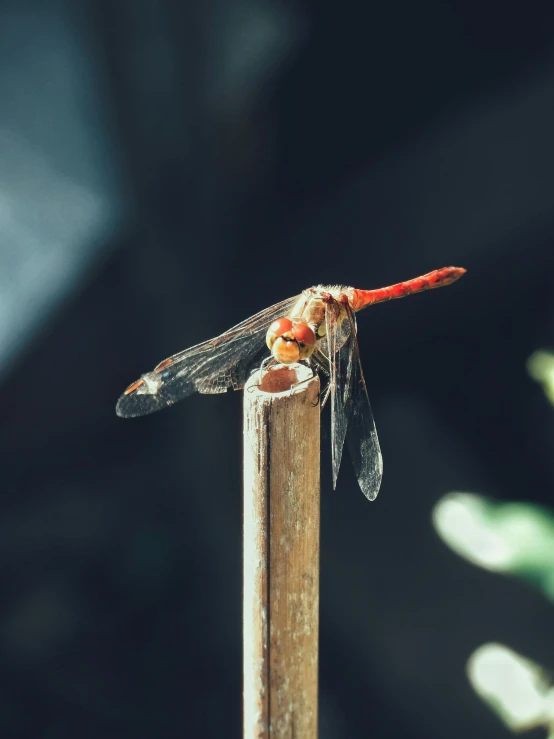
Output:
x=281 y=554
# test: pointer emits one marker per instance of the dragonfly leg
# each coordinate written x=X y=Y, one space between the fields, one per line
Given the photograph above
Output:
x=308 y=379
x=322 y=364
x=267 y=362
x=314 y=405
x=325 y=393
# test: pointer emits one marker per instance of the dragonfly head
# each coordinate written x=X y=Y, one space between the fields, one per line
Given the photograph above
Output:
x=290 y=341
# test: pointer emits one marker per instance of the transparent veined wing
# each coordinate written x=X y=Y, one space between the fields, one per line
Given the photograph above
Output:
x=336 y=344
x=211 y=367
x=351 y=415
x=361 y=437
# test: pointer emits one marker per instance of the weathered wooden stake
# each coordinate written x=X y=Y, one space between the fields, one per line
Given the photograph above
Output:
x=281 y=554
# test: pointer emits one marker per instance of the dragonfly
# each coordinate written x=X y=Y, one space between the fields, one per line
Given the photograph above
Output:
x=316 y=328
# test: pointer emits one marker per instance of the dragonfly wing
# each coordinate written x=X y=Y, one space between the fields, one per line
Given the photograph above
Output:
x=362 y=440
x=211 y=367
x=340 y=360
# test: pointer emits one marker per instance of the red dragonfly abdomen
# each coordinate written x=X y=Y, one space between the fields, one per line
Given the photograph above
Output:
x=359 y=299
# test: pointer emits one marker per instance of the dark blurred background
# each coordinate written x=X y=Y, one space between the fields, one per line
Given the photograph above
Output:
x=168 y=169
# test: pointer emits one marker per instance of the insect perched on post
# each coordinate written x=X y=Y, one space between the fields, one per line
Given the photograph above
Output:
x=318 y=328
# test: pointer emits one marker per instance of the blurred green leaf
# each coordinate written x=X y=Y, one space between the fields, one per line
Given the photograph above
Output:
x=516 y=539
x=540 y=367
x=513 y=538
x=515 y=688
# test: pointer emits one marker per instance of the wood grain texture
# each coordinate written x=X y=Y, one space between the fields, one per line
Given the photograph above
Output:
x=281 y=554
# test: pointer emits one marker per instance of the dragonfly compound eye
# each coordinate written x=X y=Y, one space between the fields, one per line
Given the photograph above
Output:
x=277 y=328
x=305 y=338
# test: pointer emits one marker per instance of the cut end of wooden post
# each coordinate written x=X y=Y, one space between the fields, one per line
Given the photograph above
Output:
x=284 y=378
x=278 y=380
x=281 y=553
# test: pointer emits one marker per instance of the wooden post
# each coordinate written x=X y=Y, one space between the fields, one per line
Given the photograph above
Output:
x=281 y=554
